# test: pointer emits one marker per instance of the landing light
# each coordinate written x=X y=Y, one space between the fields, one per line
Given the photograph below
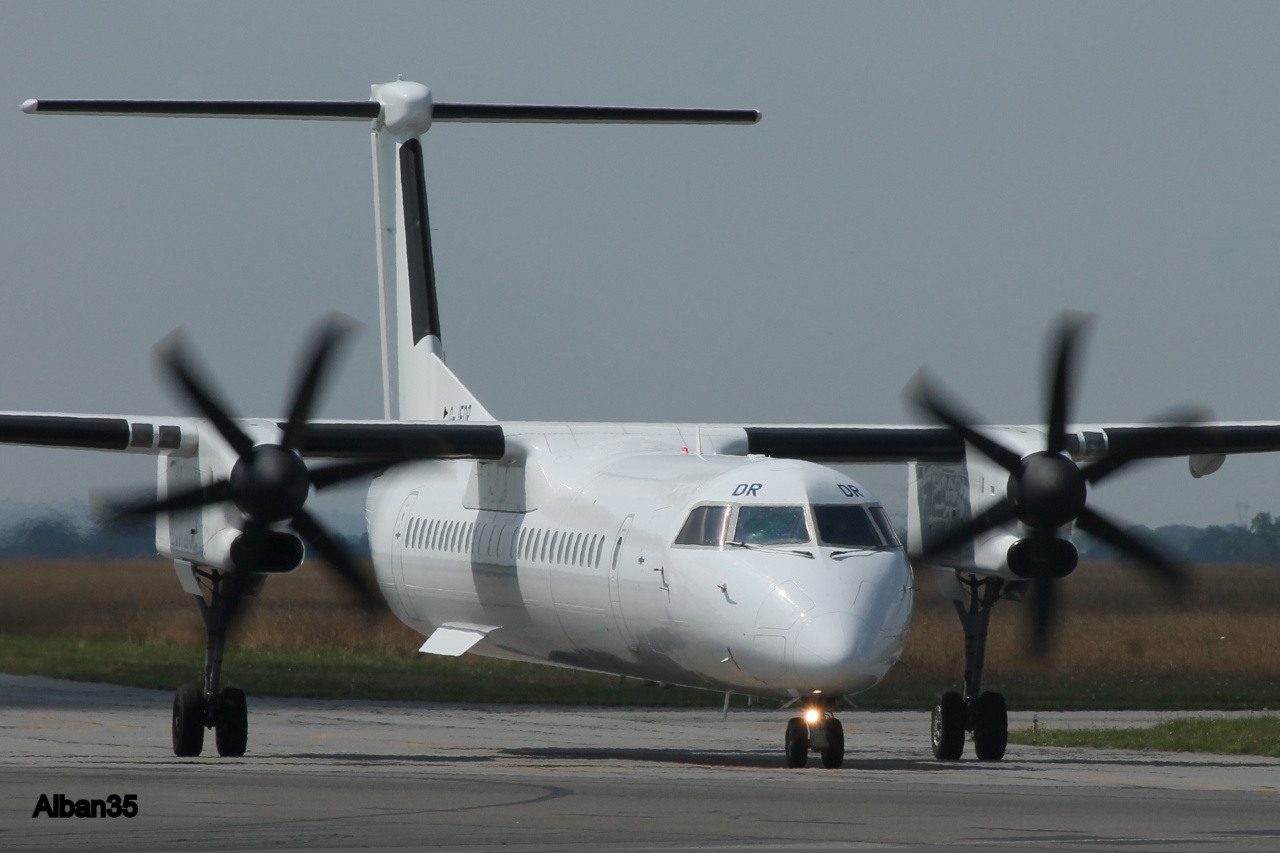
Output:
x=812 y=716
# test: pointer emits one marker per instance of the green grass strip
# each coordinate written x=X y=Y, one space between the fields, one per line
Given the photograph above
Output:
x=1254 y=735
x=329 y=673
x=334 y=674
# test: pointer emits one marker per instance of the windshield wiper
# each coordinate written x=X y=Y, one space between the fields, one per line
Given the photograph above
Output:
x=861 y=549
x=754 y=547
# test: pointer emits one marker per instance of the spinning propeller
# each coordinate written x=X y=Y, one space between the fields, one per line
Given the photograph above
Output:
x=269 y=483
x=1046 y=490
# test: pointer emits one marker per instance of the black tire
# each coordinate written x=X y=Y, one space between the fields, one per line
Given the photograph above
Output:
x=990 y=727
x=188 y=721
x=833 y=752
x=233 y=723
x=949 y=717
x=797 y=742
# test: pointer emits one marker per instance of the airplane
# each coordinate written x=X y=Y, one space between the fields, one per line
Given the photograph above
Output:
x=727 y=557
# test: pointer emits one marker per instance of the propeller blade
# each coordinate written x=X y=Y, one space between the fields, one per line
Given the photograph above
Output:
x=1062 y=376
x=1044 y=613
x=326 y=341
x=1093 y=522
x=213 y=493
x=931 y=402
x=336 y=555
x=996 y=515
x=322 y=477
x=174 y=358
x=1115 y=460
x=1106 y=466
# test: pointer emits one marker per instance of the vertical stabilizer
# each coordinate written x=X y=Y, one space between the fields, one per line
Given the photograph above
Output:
x=416 y=384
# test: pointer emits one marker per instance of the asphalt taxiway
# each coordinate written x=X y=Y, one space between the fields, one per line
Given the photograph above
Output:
x=365 y=775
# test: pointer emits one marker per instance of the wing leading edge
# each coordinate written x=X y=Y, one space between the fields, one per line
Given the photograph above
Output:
x=324 y=439
x=854 y=444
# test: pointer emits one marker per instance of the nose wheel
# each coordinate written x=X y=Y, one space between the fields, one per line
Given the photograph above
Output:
x=824 y=735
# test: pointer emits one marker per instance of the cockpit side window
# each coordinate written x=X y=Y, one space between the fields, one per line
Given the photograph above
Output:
x=854 y=526
x=704 y=527
x=881 y=518
x=771 y=525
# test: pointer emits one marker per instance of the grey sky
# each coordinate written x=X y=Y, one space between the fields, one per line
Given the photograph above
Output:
x=931 y=184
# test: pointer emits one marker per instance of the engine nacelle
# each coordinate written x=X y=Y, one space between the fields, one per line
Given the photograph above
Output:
x=211 y=535
x=1046 y=557
x=944 y=496
x=268 y=552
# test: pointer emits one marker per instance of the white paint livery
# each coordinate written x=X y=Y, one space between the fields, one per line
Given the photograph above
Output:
x=568 y=546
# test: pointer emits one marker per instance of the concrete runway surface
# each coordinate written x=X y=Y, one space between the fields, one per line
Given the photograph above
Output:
x=366 y=775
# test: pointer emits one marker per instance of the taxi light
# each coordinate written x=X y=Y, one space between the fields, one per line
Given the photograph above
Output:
x=812 y=715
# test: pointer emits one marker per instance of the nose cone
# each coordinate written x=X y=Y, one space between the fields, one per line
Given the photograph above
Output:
x=835 y=652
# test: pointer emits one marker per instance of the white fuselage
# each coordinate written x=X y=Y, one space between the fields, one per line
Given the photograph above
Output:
x=567 y=549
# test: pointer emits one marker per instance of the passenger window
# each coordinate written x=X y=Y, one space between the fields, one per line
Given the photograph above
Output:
x=704 y=527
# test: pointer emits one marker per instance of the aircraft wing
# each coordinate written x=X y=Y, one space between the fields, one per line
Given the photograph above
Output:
x=858 y=444
x=323 y=439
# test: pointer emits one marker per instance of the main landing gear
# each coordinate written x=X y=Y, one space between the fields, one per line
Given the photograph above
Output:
x=817 y=730
x=207 y=706
x=982 y=714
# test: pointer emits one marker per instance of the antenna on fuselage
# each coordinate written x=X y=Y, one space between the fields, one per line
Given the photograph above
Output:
x=401 y=113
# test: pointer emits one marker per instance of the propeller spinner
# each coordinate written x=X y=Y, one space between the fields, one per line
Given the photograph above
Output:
x=1046 y=491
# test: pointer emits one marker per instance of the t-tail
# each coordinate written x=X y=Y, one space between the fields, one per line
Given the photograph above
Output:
x=416 y=383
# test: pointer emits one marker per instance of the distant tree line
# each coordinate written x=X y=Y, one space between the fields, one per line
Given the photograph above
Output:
x=59 y=534
x=1229 y=543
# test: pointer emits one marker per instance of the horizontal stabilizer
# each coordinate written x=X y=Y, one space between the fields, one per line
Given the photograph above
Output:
x=370 y=110
x=319 y=110
x=455 y=638
x=589 y=115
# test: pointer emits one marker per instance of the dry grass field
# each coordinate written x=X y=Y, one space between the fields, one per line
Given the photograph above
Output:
x=1116 y=628
x=141 y=601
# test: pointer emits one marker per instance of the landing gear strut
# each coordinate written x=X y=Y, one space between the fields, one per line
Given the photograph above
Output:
x=816 y=731
x=983 y=715
x=207 y=705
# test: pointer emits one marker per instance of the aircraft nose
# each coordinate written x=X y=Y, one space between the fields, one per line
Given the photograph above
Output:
x=831 y=647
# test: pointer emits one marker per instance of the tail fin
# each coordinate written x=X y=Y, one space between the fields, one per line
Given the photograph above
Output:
x=416 y=384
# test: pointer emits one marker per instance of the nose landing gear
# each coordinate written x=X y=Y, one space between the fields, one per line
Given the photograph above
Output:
x=816 y=731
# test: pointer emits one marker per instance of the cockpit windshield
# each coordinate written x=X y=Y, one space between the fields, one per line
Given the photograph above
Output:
x=771 y=525
x=854 y=526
